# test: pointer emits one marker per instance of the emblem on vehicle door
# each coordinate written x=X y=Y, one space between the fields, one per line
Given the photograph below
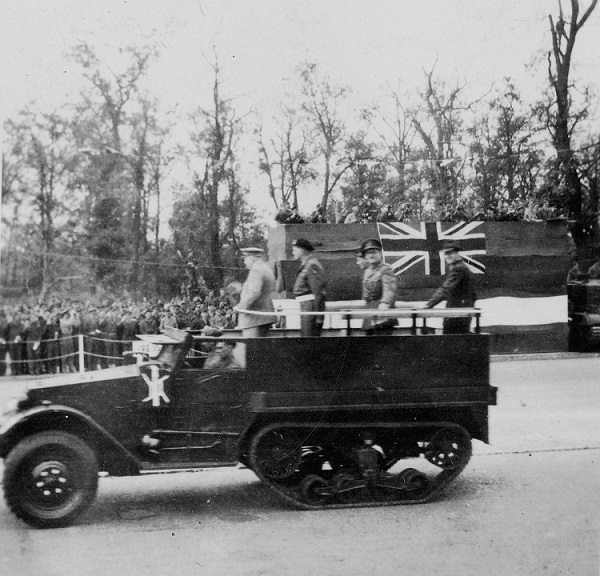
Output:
x=156 y=386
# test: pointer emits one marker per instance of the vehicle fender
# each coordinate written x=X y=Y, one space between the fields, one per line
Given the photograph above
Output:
x=113 y=457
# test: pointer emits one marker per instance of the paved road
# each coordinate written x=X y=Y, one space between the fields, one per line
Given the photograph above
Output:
x=526 y=505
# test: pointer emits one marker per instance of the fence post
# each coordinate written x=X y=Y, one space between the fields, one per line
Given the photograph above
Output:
x=81 y=355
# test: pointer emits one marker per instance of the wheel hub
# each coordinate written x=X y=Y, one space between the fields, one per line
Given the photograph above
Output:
x=448 y=449
x=49 y=483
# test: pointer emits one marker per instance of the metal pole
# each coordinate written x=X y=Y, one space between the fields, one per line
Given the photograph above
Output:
x=80 y=346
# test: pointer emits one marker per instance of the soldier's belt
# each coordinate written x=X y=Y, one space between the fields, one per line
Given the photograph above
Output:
x=305 y=298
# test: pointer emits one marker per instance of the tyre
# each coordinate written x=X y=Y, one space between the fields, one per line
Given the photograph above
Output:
x=50 y=478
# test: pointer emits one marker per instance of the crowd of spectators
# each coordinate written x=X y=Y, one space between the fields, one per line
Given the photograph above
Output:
x=503 y=211
x=42 y=338
x=368 y=211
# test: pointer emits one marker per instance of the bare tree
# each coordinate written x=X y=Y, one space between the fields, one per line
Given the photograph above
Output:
x=321 y=104
x=443 y=109
x=396 y=131
x=215 y=143
x=285 y=158
x=563 y=122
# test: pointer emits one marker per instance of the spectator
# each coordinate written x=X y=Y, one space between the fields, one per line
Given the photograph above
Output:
x=3 y=345
x=545 y=212
x=477 y=214
x=368 y=211
x=34 y=335
x=224 y=298
x=388 y=215
x=108 y=328
x=529 y=215
x=219 y=322
x=198 y=321
x=288 y=215
x=13 y=339
x=459 y=214
x=405 y=212
x=318 y=216
x=52 y=335
x=352 y=218
x=169 y=320
x=67 y=324
x=148 y=325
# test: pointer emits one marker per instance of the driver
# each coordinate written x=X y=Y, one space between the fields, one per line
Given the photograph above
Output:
x=221 y=358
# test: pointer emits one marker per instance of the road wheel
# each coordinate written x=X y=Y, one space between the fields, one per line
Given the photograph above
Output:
x=315 y=490
x=278 y=454
x=417 y=483
x=50 y=478
x=449 y=448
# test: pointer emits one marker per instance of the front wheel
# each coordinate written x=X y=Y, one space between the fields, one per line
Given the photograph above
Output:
x=50 y=478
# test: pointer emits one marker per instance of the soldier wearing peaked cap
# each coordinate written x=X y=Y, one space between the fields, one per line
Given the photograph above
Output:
x=257 y=294
x=457 y=290
x=378 y=287
x=309 y=287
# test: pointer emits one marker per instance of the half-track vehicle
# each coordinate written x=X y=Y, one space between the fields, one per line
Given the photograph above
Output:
x=345 y=419
x=584 y=314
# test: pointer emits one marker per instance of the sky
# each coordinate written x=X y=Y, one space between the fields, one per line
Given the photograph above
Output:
x=260 y=44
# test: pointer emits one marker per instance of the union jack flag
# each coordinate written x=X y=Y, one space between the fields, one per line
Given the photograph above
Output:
x=419 y=246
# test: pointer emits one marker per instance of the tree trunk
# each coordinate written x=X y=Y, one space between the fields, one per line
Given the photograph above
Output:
x=563 y=42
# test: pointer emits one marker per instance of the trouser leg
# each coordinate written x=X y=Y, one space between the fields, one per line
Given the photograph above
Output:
x=256 y=331
x=457 y=325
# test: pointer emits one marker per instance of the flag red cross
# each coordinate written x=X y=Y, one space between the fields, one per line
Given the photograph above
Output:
x=418 y=247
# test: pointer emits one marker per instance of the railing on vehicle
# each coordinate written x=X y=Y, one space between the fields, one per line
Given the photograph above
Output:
x=349 y=314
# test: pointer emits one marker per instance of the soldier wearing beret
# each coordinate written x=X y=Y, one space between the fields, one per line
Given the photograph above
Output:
x=378 y=287
x=309 y=287
x=457 y=290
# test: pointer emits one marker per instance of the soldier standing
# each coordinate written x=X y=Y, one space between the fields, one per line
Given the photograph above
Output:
x=309 y=287
x=457 y=290
x=378 y=287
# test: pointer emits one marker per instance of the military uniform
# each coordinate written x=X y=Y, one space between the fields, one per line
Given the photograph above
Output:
x=309 y=291
x=458 y=292
x=379 y=286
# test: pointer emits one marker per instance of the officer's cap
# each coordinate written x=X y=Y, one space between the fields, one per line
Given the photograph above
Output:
x=371 y=244
x=451 y=247
x=304 y=244
x=251 y=251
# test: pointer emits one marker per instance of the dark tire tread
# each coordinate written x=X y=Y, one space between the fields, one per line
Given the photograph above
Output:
x=80 y=457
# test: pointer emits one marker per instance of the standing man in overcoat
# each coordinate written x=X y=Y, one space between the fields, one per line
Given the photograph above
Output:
x=309 y=287
x=457 y=290
x=257 y=294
